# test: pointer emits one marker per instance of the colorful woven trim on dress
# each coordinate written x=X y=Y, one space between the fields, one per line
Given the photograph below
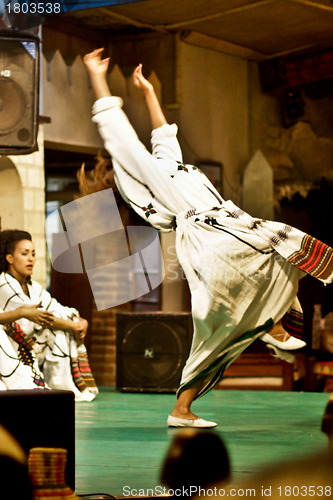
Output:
x=25 y=350
x=81 y=372
x=293 y=322
x=314 y=257
x=15 y=332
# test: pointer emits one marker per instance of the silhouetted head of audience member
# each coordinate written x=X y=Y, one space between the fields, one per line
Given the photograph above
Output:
x=327 y=423
x=195 y=458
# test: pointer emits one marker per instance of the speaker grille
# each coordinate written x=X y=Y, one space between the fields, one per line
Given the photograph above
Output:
x=19 y=93
x=151 y=350
x=12 y=105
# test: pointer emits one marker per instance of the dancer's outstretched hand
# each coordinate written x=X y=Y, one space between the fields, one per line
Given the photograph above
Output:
x=95 y=64
x=140 y=81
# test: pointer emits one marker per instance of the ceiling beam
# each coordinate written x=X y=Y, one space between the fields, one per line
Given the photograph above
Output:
x=217 y=15
x=108 y=12
x=316 y=5
x=299 y=50
x=129 y=20
x=209 y=42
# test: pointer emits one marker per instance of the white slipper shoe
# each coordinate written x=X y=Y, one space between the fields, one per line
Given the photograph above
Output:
x=289 y=345
x=190 y=422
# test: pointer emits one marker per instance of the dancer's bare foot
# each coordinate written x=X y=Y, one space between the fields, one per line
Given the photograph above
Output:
x=181 y=416
x=183 y=413
x=185 y=399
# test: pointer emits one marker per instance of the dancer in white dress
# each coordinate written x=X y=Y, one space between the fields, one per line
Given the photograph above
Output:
x=54 y=345
x=242 y=272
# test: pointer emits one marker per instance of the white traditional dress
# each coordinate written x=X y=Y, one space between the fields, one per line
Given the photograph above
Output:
x=242 y=272
x=63 y=364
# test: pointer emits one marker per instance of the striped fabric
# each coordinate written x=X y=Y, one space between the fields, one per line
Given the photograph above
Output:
x=305 y=252
x=293 y=322
x=16 y=333
x=314 y=257
x=81 y=372
x=25 y=352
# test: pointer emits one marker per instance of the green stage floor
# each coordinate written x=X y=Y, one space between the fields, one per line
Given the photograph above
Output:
x=121 y=438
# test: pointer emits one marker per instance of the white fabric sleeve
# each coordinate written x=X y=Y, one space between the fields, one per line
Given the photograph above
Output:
x=51 y=305
x=165 y=144
x=105 y=103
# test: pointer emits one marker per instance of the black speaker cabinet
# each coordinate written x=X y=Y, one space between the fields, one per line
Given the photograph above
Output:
x=19 y=93
x=152 y=349
x=41 y=418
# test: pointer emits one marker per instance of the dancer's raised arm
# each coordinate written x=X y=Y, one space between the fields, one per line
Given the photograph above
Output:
x=97 y=68
x=131 y=160
x=156 y=114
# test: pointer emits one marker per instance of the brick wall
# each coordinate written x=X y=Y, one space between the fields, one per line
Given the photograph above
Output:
x=102 y=345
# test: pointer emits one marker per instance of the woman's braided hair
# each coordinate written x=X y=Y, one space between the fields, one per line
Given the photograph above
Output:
x=8 y=241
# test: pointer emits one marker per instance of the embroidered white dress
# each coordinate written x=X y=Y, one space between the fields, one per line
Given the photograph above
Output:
x=243 y=272
x=54 y=350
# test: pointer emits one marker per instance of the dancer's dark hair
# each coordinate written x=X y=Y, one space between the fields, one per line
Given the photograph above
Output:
x=8 y=241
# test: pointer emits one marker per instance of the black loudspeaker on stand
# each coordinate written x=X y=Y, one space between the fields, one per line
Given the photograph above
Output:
x=152 y=349
x=19 y=93
x=41 y=418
